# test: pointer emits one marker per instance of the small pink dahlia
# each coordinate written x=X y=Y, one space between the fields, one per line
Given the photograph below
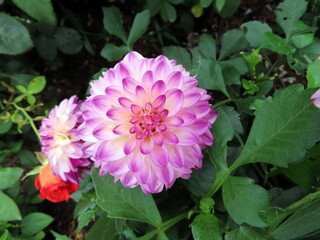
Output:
x=146 y=122
x=61 y=142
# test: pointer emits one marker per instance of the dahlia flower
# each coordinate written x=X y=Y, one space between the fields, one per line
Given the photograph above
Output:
x=146 y=122
x=315 y=98
x=61 y=142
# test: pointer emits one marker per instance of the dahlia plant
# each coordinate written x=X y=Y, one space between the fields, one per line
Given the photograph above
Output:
x=146 y=122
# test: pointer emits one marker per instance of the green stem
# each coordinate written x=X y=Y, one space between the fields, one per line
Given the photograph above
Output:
x=165 y=226
x=31 y=122
x=220 y=179
x=222 y=102
x=302 y=201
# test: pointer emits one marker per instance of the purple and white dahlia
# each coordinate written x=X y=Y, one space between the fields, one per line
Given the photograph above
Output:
x=61 y=142
x=146 y=122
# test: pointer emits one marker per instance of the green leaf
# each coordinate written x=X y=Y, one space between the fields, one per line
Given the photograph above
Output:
x=272 y=215
x=21 y=88
x=121 y=202
x=207 y=46
x=103 y=229
x=302 y=40
x=244 y=233
x=310 y=170
x=113 y=53
x=250 y=87
x=5 y=122
x=59 y=236
x=303 y=222
x=68 y=40
x=288 y=13
x=14 y=36
x=244 y=200
x=9 y=176
x=206 y=227
x=283 y=129
x=310 y=52
x=313 y=75
x=139 y=26
x=210 y=76
x=276 y=44
x=205 y=3
x=6 y=232
x=36 y=85
x=201 y=180
x=231 y=42
x=85 y=218
x=27 y=158
x=229 y=8
x=113 y=23
x=220 y=4
x=231 y=75
x=168 y=12
x=41 y=10
x=181 y=55
x=255 y=32
x=9 y=210
x=46 y=47
x=34 y=223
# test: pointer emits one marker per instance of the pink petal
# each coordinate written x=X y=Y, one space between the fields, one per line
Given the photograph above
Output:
x=200 y=126
x=207 y=138
x=122 y=129
x=191 y=97
x=161 y=70
x=159 y=102
x=110 y=150
x=118 y=114
x=129 y=84
x=146 y=145
x=316 y=102
x=170 y=138
x=135 y=162
x=201 y=108
x=176 y=156
x=122 y=70
x=316 y=98
x=143 y=176
x=174 y=80
x=186 y=136
x=174 y=121
x=165 y=175
x=157 y=138
x=159 y=156
x=174 y=101
x=141 y=95
x=130 y=145
x=118 y=167
x=133 y=57
x=158 y=88
x=125 y=103
x=101 y=103
x=188 y=117
x=113 y=93
x=129 y=180
x=135 y=109
x=147 y=79
x=104 y=131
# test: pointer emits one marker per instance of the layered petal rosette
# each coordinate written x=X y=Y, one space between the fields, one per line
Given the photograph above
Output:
x=61 y=142
x=146 y=122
